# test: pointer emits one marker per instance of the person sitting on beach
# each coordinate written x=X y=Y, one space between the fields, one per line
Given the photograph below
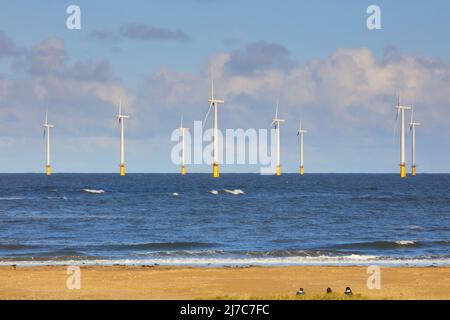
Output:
x=329 y=290
x=300 y=292
x=348 y=291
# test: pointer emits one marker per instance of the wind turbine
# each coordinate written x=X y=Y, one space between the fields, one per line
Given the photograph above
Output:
x=300 y=133
x=182 y=130
x=412 y=129
x=214 y=103
x=276 y=122
x=120 y=118
x=47 y=128
x=401 y=109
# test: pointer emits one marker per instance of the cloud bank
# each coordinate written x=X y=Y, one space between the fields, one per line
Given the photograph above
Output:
x=346 y=99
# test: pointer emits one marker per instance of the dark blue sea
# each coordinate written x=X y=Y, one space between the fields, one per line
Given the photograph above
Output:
x=239 y=219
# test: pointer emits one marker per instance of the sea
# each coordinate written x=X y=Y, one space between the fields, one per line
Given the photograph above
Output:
x=237 y=220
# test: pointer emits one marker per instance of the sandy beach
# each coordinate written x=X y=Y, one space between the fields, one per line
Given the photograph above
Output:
x=157 y=282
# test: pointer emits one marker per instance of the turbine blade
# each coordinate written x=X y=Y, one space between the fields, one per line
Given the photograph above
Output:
x=207 y=113
x=120 y=106
x=212 y=83
x=395 y=129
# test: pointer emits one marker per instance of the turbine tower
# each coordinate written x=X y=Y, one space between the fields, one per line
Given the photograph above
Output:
x=412 y=129
x=47 y=128
x=300 y=133
x=214 y=103
x=401 y=109
x=182 y=130
x=276 y=122
x=121 y=117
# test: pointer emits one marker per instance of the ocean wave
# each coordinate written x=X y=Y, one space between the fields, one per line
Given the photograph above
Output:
x=94 y=191
x=406 y=242
x=160 y=246
x=381 y=245
x=14 y=198
x=350 y=260
x=414 y=227
x=57 y=198
x=182 y=253
x=62 y=254
x=12 y=247
x=235 y=192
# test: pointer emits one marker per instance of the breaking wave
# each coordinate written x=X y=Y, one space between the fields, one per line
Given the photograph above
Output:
x=95 y=191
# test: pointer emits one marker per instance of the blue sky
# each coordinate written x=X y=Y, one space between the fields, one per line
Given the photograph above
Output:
x=311 y=55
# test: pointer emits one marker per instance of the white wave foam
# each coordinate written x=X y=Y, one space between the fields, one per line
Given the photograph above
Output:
x=352 y=260
x=405 y=242
x=234 y=192
x=175 y=194
x=214 y=192
x=413 y=227
x=99 y=191
x=56 y=198
x=14 y=198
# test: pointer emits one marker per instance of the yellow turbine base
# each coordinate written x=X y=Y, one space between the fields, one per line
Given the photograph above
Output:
x=48 y=170
x=216 y=170
x=122 y=170
x=278 y=171
x=302 y=170
x=402 y=171
x=413 y=171
x=183 y=170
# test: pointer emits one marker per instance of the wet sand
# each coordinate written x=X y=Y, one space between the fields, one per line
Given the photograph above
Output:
x=157 y=282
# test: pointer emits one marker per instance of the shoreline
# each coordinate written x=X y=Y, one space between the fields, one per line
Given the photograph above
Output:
x=342 y=261
x=250 y=282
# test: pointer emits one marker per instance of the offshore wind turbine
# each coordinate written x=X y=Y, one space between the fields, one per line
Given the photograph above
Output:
x=300 y=133
x=214 y=103
x=401 y=110
x=412 y=129
x=121 y=117
x=47 y=128
x=276 y=123
x=182 y=131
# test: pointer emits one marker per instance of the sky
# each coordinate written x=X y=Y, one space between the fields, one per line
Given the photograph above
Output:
x=317 y=58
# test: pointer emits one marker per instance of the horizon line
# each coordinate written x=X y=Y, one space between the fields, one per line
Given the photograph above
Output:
x=225 y=173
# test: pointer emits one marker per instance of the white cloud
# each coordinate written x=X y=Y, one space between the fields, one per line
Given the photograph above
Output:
x=346 y=98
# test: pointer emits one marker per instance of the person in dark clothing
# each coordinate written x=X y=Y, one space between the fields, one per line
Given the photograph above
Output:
x=300 y=292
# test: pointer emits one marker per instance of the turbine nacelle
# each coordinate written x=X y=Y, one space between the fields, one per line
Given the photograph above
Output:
x=122 y=116
x=216 y=101
x=277 y=121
